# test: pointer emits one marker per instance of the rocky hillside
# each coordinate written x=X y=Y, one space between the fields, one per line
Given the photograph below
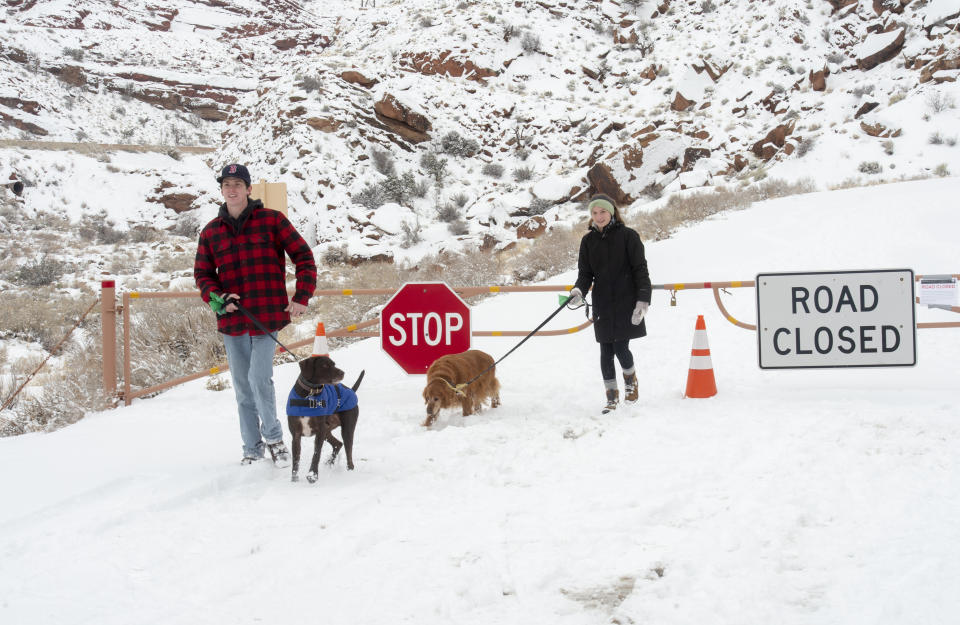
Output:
x=403 y=129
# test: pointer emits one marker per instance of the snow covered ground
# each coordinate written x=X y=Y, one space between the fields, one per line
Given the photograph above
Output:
x=821 y=496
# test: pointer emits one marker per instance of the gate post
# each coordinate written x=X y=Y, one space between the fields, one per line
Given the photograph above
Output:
x=108 y=330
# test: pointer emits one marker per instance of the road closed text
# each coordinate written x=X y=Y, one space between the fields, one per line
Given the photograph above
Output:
x=845 y=339
x=840 y=319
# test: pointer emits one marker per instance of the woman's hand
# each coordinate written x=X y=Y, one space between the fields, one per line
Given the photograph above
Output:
x=639 y=312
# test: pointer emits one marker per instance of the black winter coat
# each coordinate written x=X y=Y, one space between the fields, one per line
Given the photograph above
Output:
x=614 y=263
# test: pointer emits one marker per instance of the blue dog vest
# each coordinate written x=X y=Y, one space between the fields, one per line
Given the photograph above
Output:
x=331 y=398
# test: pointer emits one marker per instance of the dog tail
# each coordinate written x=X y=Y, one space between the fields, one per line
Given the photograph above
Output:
x=356 y=384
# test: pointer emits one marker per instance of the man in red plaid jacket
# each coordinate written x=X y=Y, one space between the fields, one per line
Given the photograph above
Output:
x=240 y=257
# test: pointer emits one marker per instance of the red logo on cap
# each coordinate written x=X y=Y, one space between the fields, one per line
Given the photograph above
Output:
x=232 y=169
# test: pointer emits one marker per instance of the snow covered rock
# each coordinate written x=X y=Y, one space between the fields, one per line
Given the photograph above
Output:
x=878 y=48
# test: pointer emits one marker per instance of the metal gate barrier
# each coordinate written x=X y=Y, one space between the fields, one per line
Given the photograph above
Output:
x=109 y=310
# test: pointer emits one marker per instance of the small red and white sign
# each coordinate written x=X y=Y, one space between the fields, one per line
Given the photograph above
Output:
x=938 y=291
x=422 y=322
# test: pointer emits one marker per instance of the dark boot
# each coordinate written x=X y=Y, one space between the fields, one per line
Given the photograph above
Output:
x=630 y=391
x=613 y=398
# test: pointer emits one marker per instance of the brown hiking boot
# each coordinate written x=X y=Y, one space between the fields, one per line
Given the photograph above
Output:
x=613 y=398
x=630 y=391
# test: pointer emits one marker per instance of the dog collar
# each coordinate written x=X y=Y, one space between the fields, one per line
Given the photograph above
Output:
x=306 y=388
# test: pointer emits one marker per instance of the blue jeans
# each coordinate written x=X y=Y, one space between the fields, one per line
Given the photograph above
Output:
x=251 y=367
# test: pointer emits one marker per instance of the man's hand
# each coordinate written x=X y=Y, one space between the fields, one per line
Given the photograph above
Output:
x=223 y=304
x=575 y=299
x=229 y=305
x=295 y=309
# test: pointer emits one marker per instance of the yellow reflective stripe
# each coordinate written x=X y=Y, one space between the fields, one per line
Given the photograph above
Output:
x=572 y=330
x=494 y=289
x=214 y=370
x=736 y=284
x=351 y=328
x=496 y=333
x=134 y=295
x=347 y=291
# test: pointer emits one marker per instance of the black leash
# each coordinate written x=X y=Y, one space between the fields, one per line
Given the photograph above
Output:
x=257 y=323
x=459 y=387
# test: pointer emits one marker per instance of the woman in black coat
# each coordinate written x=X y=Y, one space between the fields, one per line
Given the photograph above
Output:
x=611 y=259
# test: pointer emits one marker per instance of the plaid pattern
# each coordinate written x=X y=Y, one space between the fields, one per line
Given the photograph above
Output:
x=250 y=262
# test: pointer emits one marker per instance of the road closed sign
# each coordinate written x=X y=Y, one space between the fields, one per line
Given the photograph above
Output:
x=836 y=319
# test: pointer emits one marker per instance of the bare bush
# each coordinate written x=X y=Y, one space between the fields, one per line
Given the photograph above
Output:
x=335 y=255
x=74 y=53
x=460 y=199
x=454 y=144
x=399 y=189
x=689 y=208
x=448 y=213
x=143 y=233
x=170 y=338
x=938 y=101
x=493 y=170
x=551 y=253
x=97 y=227
x=42 y=272
x=805 y=145
x=459 y=227
x=522 y=174
x=530 y=42
x=370 y=197
x=869 y=167
x=411 y=235
x=188 y=225
x=539 y=206
x=435 y=166
x=383 y=161
x=310 y=83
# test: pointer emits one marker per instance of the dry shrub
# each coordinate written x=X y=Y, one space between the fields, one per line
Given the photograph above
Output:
x=552 y=253
x=40 y=316
x=68 y=391
x=681 y=210
x=171 y=338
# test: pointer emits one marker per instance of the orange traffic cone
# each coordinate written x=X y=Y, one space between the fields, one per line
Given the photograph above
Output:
x=320 y=342
x=700 y=381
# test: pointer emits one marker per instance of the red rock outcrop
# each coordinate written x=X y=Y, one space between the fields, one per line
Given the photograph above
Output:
x=603 y=181
x=532 y=228
x=429 y=63
x=884 y=54
x=768 y=147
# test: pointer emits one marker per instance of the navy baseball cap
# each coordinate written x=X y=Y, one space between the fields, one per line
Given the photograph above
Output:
x=235 y=171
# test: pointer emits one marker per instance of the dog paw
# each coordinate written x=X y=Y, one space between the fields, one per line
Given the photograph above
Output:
x=294 y=478
x=311 y=477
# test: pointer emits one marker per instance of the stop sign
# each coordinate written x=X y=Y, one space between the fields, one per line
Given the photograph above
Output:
x=423 y=321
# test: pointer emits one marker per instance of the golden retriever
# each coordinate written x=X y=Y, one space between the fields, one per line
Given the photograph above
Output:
x=448 y=371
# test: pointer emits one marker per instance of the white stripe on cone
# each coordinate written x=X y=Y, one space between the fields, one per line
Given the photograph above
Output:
x=700 y=340
x=701 y=362
x=320 y=342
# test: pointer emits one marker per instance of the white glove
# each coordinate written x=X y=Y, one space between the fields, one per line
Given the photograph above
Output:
x=575 y=299
x=639 y=312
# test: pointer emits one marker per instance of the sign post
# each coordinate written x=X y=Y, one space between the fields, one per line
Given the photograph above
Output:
x=423 y=321
x=836 y=319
